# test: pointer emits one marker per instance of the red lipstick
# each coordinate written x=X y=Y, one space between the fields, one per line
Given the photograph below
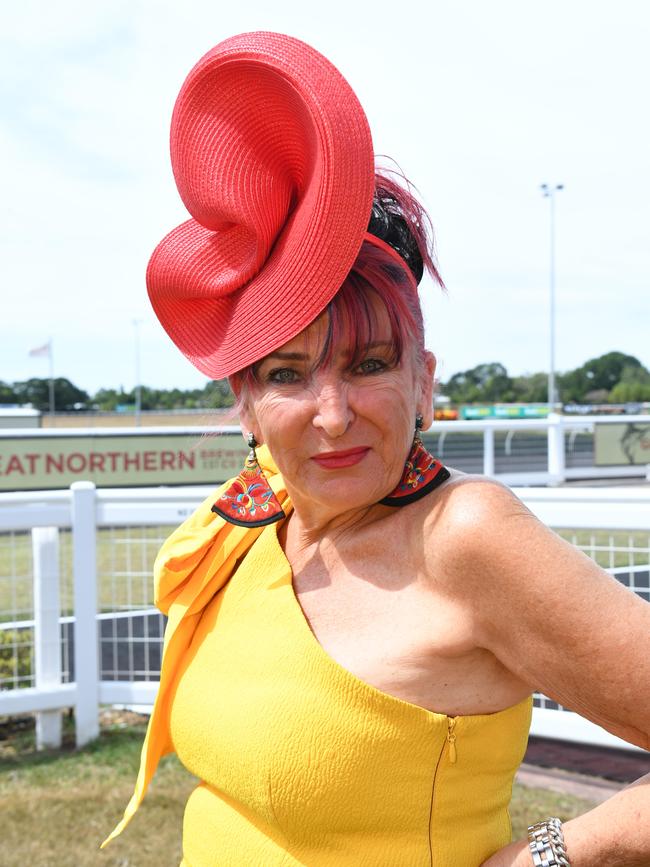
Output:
x=339 y=459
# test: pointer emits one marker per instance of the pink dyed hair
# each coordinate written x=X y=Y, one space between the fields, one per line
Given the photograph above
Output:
x=351 y=315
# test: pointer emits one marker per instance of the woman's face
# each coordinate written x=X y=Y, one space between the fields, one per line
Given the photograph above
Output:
x=339 y=434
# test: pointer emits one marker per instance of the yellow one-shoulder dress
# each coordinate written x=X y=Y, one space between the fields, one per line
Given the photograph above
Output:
x=303 y=763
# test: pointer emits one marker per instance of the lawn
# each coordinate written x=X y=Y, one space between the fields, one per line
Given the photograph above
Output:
x=125 y=557
x=56 y=807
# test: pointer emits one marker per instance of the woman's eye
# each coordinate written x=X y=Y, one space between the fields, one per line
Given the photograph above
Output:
x=372 y=365
x=283 y=375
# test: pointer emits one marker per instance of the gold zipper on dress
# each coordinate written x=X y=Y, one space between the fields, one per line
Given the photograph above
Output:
x=451 y=739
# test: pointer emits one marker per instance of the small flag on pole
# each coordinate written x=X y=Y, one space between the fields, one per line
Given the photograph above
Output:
x=40 y=351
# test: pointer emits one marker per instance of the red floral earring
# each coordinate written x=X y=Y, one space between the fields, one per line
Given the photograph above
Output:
x=249 y=501
x=422 y=473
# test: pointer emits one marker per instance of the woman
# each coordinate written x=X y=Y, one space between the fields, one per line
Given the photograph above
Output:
x=354 y=630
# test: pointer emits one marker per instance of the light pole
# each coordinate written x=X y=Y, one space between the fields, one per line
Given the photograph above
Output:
x=549 y=191
x=138 y=391
x=50 y=352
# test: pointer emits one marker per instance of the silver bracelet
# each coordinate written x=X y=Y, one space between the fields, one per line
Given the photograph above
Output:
x=547 y=844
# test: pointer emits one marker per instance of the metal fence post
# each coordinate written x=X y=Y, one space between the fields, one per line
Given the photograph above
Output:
x=488 y=451
x=47 y=631
x=556 y=453
x=86 y=652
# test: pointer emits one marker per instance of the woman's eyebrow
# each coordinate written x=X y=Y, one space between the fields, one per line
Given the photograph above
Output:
x=288 y=356
x=303 y=356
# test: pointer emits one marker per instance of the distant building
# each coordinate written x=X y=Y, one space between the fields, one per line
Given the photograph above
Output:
x=19 y=417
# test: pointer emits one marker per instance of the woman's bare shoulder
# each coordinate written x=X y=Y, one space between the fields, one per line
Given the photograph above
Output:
x=466 y=501
x=459 y=512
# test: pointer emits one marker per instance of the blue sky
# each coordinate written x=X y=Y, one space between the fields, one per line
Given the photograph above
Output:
x=479 y=103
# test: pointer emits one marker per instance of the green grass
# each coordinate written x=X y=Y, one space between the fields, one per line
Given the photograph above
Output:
x=125 y=559
x=533 y=805
x=616 y=542
x=58 y=806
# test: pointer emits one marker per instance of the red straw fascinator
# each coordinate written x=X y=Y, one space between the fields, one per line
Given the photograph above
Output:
x=273 y=158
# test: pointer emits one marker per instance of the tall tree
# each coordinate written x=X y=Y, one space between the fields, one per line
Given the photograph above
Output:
x=531 y=388
x=597 y=374
x=66 y=395
x=8 y=394
x=632 y=387
x=108 y=399
x=485 y=382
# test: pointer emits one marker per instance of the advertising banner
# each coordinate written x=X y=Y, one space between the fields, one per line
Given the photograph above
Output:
x=120 y=460
x=504 y=410
x=627 y=443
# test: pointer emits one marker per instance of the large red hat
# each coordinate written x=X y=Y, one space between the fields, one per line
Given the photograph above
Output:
x=273 y=158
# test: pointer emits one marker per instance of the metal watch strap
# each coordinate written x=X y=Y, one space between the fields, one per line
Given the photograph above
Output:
x=547 y=844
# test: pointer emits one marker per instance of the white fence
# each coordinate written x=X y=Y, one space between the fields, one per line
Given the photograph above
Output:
x=75 y=569
x=563 y=461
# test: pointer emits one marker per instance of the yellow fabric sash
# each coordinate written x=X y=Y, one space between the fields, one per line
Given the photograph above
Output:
x=191 y=567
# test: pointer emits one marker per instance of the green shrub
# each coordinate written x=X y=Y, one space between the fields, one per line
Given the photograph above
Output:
x=15 y=657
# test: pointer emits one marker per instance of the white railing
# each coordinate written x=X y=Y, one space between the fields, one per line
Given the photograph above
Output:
x=619 y=519
x=556 y=427
x=83 y=510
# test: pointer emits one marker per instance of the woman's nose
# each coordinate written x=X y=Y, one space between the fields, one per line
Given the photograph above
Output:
x=333 y=412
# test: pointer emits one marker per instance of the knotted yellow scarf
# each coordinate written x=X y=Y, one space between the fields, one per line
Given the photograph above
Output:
x=192 y=565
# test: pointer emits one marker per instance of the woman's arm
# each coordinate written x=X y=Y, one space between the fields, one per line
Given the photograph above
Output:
x=571 y=631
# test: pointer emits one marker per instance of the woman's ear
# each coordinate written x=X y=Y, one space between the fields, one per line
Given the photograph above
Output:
x=425 y=401
x=247 y=421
